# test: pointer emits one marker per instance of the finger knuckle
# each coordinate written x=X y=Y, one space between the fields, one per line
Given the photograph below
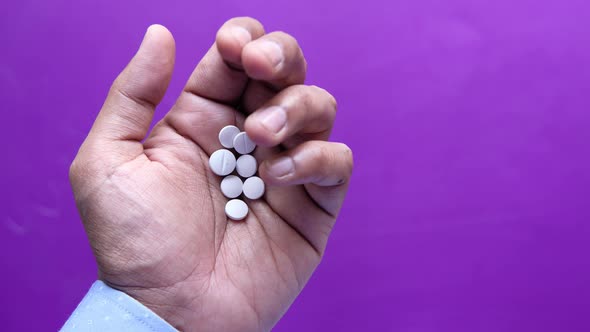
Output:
x=316 y=89
x=285 y=38
x=298 y=90
x=296 y=97
x=306 y=96
x=324 y=157
x=325 y=101
x=330 y=100
x=333 y=102
x=348 y=158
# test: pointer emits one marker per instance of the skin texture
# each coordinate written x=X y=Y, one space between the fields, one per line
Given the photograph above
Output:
x=153 y=210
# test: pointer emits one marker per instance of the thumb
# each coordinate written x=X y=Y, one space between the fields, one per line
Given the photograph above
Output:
x=128 y=110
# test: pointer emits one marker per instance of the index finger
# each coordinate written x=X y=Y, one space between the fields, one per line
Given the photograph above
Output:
x=218 y=77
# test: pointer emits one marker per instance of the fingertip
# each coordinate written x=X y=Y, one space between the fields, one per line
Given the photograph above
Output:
x=269 y=180
x=265 y=127
x=277 y=171
x=251 y=24
x=159 y=33
x=275 y=58
x=262 y=173
x=258 y=134
x=159 y=43
x=234 y=35
x=230 y=42
x=263 y=59
x=157 y=28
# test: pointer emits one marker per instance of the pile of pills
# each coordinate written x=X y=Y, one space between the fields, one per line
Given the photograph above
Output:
x=223 y=163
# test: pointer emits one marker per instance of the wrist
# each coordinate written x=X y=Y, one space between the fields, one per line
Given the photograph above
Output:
x=166 y=302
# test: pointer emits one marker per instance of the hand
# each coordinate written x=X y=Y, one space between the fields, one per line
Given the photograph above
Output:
x=153 y=210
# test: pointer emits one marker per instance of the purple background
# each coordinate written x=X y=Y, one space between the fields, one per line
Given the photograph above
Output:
x=469 y=205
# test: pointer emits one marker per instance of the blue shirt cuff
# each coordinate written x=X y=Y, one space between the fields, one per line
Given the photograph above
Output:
x=107 y=309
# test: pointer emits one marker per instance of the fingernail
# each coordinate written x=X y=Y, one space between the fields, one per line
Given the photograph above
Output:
x=281 y=167
x=241 y=35
x=273 y=118
x=272 y=51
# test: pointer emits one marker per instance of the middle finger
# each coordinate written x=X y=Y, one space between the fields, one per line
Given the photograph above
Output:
x=297 y=113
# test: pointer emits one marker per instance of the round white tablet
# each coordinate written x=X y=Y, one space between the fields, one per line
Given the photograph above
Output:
x=222 y=162
x=227 y=135
x=236 y=209
x=246 y=166
x=243 y=144
x=253 y=187
x=231 y=186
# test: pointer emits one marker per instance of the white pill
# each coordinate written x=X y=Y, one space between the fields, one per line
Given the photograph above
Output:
x=227 y=135
x=253 y=187
x=246 y=166
x=236 y=209
x=222 y=162
x=243 y=144
x=231 y=186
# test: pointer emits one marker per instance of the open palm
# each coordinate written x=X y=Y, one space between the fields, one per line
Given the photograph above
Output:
x=153 y=210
